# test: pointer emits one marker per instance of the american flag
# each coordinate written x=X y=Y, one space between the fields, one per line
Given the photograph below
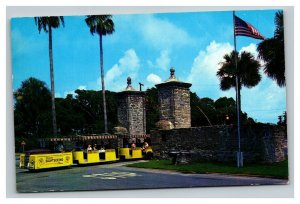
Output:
x=245 y=29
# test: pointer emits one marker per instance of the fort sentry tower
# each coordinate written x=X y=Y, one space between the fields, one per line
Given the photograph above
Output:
x=131 y=110
x=174 y=101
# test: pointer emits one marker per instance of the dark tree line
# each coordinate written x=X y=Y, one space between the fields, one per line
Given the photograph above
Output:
x=81 y=113
x=282 y=119
x=207 y=112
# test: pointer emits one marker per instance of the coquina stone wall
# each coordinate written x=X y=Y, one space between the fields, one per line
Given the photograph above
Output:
x=132 y=112
x=174 y=101
x=259 y=143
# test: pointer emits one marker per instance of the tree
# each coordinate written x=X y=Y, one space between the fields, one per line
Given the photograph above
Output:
x=152 y=109
x=87 y=103
x=271 y=51
x=32 y=111
x=46 y=24
x=279 y=120
x=226 y=110
x=69 y=117
x=203 y=111
x=247 y=72
x=102 y=25
x=282 y=119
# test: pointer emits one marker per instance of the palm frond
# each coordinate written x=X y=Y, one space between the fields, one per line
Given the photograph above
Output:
x=43 y=23
x=279 y=31
x=100 y=24
x=272 y=52
x=248 y=71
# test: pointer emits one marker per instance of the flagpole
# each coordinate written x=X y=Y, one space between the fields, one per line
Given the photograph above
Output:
x=239 y=155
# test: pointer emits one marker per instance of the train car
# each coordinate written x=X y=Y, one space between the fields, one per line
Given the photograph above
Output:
x=108 y=151
x=135 y=147
x=128 y=153
x=75 y=152
x=148 y=153
x=136 y=153
x=95 y=156
x=44 y=159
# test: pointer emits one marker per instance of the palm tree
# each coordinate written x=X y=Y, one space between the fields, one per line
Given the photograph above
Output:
x=248 y=72
x=271 y=51
x=102 y=25
x=46 y=24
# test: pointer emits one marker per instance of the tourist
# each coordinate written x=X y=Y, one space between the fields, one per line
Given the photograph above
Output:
x=133 y=146
x=89 y=149
x=101 y=150
x=145 y=146
x=95 y=147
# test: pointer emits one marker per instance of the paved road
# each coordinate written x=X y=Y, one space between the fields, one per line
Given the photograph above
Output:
x=117 y=176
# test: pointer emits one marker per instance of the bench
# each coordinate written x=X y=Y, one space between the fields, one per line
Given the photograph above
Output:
x=180 y=156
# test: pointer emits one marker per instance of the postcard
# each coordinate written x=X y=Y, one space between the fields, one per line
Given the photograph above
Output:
x=149 y=101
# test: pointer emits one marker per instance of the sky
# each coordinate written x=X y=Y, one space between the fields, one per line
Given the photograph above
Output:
x=145 y=47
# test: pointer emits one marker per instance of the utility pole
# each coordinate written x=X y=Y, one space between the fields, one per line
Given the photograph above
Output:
x=141 y=86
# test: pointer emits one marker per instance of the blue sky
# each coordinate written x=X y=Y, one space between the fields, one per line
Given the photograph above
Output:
x=144 y=47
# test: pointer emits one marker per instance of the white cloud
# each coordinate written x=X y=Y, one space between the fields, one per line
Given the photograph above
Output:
x=203 y=72
x=150 y=63
x=57 y=95
x=163 y=61
x=266 y=100
x=155 y=32
x=128 y=65
x=263 y=102
x=250 y=48
x=113 y=73
x=69 y=92
x=82 y=87
x=153 y=79
x=130 y=60
x=21 y=43
x=162 y=33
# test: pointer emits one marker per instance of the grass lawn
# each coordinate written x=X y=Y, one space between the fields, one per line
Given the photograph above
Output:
x=276 y=170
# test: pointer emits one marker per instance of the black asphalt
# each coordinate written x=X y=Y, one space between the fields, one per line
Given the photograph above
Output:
x=117 y=176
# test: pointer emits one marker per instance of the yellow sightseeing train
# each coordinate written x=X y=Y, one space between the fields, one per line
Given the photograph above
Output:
x=46 y=159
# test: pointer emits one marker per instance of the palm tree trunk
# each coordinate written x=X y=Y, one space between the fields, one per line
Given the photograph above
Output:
x=102 y=83
x=52 y=83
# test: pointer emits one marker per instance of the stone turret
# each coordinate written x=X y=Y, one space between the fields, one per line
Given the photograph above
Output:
x=174 y=101
x=131 y=110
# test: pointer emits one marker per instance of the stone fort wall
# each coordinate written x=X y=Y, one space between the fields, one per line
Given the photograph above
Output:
x=259 y=143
